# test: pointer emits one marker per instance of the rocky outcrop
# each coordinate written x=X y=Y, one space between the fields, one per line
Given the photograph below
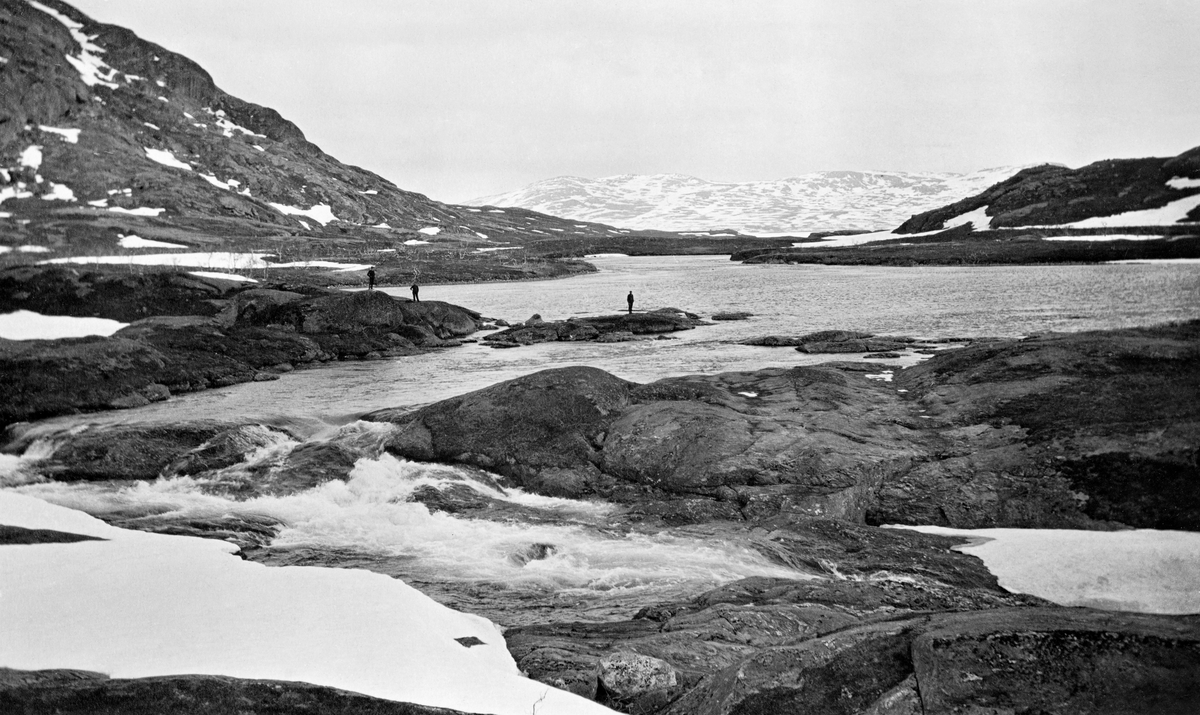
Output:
x=899 y=624
x=1075 y=430
x=606 y=328
x=237 y=334
x=1050 y=194
x=63 y=692
x=1057 y=430
x=737 y=445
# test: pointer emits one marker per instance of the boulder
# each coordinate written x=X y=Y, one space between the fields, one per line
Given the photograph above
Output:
x=126 y=451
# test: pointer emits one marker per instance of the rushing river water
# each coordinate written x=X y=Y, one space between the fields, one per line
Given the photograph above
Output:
x=592 y=570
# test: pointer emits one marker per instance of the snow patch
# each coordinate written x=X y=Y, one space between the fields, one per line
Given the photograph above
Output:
x=227 y=185
x=92 y=70
x=139 y=211
x=222 y=276
x=31 y=157
x=27 y=325
x=978 y=219
x=748 y=394
x=200 y=609
x=430 y=230
x=369 y=192
x=132 y=241
x=58 y=192
x=148 y=124
x=321 y=213
x=166 y=158
x=1168 y=215
x=498 y=248
x=70 y=136
x=885 y=376
x=381 y=225
x=1181 y=183
x=28 y=248
x=1142 y=570
x=415 y=242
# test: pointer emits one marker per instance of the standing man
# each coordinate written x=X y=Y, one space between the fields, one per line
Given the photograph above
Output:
x=371 y=279
x=629 y=299
x=416 y=290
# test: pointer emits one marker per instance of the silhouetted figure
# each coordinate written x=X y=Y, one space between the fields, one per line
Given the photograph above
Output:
x=629 y=299
x=371 y=279
x=416 y=290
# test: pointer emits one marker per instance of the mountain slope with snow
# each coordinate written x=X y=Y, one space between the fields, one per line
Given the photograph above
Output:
x=825 y=200
x=102 y=131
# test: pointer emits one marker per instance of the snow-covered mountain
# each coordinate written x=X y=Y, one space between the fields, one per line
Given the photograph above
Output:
x=823 y=200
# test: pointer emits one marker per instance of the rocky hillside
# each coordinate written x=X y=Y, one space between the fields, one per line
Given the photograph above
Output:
x=103 y=134
x=1115 y=193
x=819 y=201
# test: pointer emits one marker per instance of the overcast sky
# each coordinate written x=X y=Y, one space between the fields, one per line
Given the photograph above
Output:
x=463 y=98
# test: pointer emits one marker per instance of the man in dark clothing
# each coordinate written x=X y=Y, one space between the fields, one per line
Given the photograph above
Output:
x=371 y=279
x=416 y=292
x=629 y=299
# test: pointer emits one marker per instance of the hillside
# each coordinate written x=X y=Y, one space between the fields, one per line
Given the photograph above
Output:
x=104 y=135
x=1117 y=209
x=819 y=201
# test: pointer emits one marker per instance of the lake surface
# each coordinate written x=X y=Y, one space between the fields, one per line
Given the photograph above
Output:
x=925 y=302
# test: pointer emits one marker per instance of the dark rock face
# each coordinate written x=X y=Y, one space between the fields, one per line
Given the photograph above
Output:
x=1057 y=430
x=60 y=692
x=1048 y=195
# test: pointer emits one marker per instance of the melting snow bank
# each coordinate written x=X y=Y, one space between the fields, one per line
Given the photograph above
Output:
x=27 y=325
x=1142 y=570
x=139 y=605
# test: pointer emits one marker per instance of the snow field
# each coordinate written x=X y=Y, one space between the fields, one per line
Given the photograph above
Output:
x=216 y=259
x=139 y=605
x=1141 y=570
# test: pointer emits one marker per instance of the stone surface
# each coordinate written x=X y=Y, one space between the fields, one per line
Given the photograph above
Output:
x=62 y=692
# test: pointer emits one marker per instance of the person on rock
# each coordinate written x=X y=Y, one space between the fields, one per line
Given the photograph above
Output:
x=416 y=291
x=371 y=279
x=629 y=300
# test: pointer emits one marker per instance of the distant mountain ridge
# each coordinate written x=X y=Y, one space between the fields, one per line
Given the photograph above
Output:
x=824 y=200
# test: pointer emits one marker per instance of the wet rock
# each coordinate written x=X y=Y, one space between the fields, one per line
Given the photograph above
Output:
x=533 y=552
x=126 y=451
x=540 y=421
x=225 y=449
x=732 y=316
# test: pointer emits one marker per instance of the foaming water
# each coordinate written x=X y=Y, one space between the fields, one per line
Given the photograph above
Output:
x=568 y=551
